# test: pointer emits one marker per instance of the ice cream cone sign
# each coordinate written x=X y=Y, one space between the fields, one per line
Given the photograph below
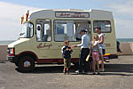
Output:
x=27 y=15
x=22 y=19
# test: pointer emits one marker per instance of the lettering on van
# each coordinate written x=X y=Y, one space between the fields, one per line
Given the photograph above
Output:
x=62 y=14
x=107 y=45
x=41 y=45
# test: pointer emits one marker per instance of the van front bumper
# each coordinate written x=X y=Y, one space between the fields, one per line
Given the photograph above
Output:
x=11 y=58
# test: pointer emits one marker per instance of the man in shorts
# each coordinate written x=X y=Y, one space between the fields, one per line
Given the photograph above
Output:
x=101 y=45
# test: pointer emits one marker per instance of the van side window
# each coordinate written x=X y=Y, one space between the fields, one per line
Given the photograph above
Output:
x=43 y=30
x=69 y=29
x=105 y=26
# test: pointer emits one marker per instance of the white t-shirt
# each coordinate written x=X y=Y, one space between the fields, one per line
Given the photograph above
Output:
x=102 y=45
x=96 y=46
x=85 y=41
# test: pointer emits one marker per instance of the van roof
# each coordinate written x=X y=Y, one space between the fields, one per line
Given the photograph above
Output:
x=50 y=13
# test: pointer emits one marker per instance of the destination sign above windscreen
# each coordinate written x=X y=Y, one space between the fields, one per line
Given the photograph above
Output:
x=62 y=14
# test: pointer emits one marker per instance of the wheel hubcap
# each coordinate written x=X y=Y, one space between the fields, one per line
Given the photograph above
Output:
x=27 y=64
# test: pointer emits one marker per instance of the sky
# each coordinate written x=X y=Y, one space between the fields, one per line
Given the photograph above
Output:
x=12 y=10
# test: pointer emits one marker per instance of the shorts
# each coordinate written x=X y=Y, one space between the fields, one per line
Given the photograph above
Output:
x=102 y=51
x=95 y=55
x=67 y=63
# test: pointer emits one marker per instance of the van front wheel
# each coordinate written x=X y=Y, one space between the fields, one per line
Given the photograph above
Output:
x=26 y=64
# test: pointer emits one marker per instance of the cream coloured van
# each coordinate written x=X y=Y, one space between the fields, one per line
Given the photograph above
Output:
x=44 y=32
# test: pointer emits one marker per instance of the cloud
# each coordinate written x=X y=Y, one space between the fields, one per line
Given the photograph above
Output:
x=10 y=26
x=123 y=14
x=10 y=16
x=124 y=28
x=123 y=7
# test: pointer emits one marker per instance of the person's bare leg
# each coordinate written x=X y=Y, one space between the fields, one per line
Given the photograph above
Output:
x=102 y=64
x=64 y=71
x=94 y=64
x=97 y=66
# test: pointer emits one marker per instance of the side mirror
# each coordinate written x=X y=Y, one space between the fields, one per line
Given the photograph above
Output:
x=21 y=34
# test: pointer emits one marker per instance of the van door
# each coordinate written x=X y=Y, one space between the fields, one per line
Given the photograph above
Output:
x=43 y=38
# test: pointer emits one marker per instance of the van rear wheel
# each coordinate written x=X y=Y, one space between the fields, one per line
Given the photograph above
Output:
x=26 y=64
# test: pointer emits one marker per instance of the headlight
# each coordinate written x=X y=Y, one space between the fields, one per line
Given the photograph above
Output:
x=11 y=51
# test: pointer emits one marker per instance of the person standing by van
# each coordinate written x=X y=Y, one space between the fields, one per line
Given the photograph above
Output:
x=66 y=53
x=101 y=45
x=95 y=54
x=85 y=41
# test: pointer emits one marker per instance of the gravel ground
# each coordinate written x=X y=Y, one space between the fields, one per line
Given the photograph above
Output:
x=118 y=75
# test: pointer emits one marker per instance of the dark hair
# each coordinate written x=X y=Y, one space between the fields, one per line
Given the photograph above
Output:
x=66 y=41
x=99 y=28
x=83 y=31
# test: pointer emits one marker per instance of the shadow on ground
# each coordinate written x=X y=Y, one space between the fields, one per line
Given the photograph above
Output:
x=119 y=68
x=110 y=69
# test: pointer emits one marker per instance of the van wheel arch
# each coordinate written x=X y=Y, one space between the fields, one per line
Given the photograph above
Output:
x=23 y=54
x=28 y=53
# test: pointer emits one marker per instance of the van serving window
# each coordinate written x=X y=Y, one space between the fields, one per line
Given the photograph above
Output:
x=69 y=29
x=63 y=14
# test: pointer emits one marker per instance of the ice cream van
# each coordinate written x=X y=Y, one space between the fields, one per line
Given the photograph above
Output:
x=44 y=31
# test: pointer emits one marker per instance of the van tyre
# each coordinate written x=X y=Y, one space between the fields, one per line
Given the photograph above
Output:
x=26 y=64
x=16 y=64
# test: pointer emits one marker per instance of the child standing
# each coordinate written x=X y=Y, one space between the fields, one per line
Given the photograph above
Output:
x=95 y=54
x=66 y=53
